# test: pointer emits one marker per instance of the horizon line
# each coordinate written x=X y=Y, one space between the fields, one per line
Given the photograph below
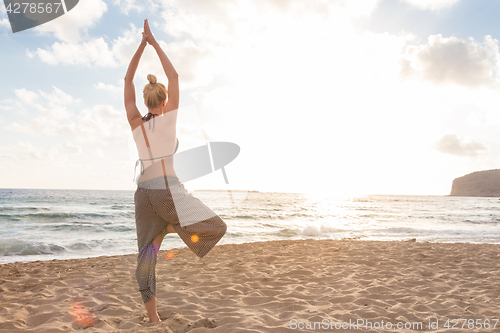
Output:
x=227 y=190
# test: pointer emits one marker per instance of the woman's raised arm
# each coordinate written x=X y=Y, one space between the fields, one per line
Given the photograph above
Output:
x=173 y=77
x=132 y=112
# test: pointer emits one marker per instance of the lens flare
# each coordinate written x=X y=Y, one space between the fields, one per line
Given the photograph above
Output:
x=82 y=316
x=156 y=249
x=169 y=255
x=194 y=238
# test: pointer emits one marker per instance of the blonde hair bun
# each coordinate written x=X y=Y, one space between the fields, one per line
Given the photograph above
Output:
x=154 y=93
x=151 y=79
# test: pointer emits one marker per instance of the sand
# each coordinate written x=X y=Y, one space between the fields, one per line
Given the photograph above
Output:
x=281 y=286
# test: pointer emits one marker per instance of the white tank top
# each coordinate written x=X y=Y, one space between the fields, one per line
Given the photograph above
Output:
x=155 y=139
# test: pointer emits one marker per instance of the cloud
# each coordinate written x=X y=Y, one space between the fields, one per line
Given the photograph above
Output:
x=98 y=152
x=463 y=62
x=30 y=54
x=360 y=7
x=127 y=5
x=58 y=97
x=104 y=124
x=68 y=28
x=55 y=102
x=25 y=95
x=42 y=125
x=124 y=47
x=226 y=21
x=218 y=39
x=207 y=33
x=70 y=149
x=92 y=53
x=95 y=52
x=100 y=123
x=194 y=60
x=4 y=23
x=60 y=152
x=453 y=145
x=7 y=105
x=109 y=87
x=51 y=116
x=434 y=5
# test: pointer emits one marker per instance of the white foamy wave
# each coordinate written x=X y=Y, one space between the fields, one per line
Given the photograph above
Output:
x=16 y=247
x=311 y=230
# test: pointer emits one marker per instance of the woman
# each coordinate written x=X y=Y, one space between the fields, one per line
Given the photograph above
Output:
x=162 y=204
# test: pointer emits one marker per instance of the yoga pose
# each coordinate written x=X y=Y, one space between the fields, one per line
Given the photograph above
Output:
x=162 y=204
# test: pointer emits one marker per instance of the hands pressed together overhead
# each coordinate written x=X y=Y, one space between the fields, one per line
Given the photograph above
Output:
x=147 y=35
x=133 y=114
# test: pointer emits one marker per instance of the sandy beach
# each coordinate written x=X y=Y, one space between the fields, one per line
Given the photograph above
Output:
x=280 y=286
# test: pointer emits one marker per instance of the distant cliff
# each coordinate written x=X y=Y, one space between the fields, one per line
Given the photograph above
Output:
x=477 y=184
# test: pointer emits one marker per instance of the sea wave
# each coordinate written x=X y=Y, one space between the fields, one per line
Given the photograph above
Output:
x=90 y=227
x=17 y=247
x=65 y=216
x=24 y=209
x=311 y=230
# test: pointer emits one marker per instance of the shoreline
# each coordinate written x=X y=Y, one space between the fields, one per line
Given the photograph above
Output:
x=260 y=287
x=354 y=239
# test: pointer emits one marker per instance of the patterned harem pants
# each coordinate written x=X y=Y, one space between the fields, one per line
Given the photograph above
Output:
x=162 y=201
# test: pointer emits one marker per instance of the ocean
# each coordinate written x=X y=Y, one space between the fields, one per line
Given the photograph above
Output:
x=68 y=224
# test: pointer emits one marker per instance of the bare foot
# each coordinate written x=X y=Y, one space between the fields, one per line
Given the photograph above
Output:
x=155 y=320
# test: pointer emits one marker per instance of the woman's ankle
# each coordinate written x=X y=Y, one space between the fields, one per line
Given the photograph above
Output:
x=151 y=309
x=155 y=319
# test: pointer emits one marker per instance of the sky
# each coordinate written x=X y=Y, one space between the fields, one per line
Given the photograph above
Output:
x=332 y=97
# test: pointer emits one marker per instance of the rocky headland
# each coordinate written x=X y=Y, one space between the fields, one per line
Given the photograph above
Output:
x=477 y=184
